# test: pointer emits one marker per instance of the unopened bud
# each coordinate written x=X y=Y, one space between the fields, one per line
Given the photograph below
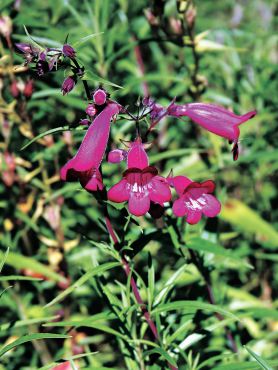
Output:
x=68 y=51
x=99 y=97
x=68 y=85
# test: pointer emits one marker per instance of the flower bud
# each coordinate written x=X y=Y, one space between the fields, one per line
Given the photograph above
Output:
x=91 y=110
x=28 y=89
x=68 y=51
x=68 y=85
x=99 y=97
x=24 y=48
x=14 y=89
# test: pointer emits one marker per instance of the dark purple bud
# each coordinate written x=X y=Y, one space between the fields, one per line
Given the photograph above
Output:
x=68 y=85
x=91 y=110
x=99 y=97
x=68 y=51
x=24 y=48
x=42 y=67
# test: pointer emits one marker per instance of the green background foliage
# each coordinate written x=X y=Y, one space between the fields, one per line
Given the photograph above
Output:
x=63 y=278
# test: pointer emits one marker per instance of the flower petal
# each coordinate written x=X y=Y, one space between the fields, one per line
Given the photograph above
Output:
x=193 y=217
x=159 y=190
x=137 y=156
x=212 y=207
x=179 y=208
x=119 y=192
x=180 y=183
x=138 y=205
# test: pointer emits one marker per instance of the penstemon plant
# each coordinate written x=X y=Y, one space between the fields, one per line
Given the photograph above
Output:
x=142 y=188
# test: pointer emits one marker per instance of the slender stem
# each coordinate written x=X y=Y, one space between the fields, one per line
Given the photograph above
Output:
x=85 y=83
x=133 y=284
x=211 y=296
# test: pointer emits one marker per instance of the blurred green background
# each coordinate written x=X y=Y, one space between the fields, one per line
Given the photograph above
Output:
x=55 y=230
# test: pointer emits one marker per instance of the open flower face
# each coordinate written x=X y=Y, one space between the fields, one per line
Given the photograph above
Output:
x=194 y=199
x=139 y=187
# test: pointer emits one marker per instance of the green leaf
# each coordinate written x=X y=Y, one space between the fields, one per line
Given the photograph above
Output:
x=3 y=260
x=250 y=365
x=89 y=274
x=162 y=353
x=192 y=306
x=19 y=277
x=247 y=220
x=20 y=262
x=22 y=323
x=263 y=364
x=90 y=76
x=30 y=337
x=204 y=245
x=52 y=131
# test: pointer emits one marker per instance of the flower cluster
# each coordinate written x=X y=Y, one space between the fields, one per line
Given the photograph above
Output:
x=141 y=186
x=51 y=59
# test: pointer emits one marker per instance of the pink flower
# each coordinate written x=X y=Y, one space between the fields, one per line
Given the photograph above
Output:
x=84 y=166
x=139 y=187
x=213 y=118
x=194 y=199
x=141 y=183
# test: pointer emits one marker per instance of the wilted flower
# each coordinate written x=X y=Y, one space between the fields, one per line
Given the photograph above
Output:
x=30 y=52
x=68 y=51
x=194 y=199
x=68 y=84
x=84 y=166
x=99 y=97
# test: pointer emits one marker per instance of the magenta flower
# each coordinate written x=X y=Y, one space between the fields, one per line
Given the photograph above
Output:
x=84 y=166
x=139 y=187
x=213 y=118
x=141 y=183
x=194 y=199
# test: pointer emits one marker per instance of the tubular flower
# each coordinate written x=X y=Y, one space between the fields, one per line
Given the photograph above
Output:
x=194 y=199
x=141 y=183
x=135 y=155
x=84 y=166
x=213 y=118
